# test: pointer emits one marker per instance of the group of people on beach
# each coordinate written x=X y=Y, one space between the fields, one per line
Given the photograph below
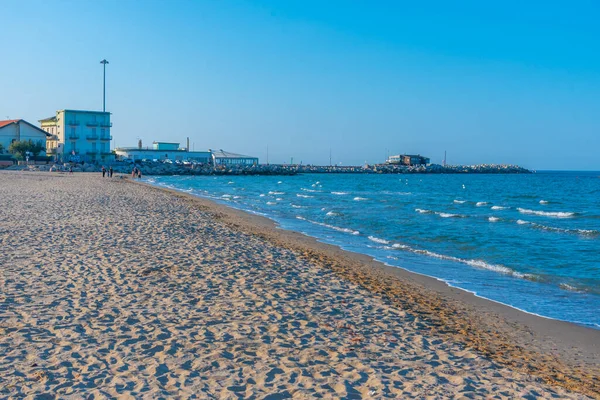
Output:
x=108 y=173
x=136 y=173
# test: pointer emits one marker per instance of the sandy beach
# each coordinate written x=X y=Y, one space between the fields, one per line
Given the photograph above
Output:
x=115 y=288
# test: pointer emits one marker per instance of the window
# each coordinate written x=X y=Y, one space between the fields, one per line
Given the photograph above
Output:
x=94 y=146
x=73 y=131
x=102 y=132
x=73 y=146
x=93 y=131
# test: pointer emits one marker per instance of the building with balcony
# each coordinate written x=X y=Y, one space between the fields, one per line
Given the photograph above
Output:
x=13 y=130
x=79 y=135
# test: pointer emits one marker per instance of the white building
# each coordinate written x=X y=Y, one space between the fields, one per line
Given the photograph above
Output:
x=162 y=151
x=78 y=135
x=221 y=157
x=20 y=130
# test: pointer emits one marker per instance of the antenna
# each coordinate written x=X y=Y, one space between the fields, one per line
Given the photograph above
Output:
x=444 y=158
x=330 y=156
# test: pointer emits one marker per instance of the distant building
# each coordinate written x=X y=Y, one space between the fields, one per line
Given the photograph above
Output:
x=79 y=135
x=162 y=151
x=221 y=157
x=408 y=160
x=13 y=130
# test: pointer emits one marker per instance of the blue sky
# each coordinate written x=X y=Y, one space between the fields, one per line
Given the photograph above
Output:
x=508 y=82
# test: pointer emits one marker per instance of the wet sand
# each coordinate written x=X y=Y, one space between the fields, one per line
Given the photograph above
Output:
x=119 y=289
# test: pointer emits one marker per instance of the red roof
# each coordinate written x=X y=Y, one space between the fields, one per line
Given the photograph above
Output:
x=8 y=122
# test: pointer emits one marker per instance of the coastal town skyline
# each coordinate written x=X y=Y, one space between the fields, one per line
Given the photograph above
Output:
x=313 y=81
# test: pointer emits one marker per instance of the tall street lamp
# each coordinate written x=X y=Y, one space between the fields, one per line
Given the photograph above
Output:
x=104 y=62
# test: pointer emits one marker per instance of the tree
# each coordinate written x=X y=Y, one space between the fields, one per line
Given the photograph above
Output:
x=20 y=148
x=1 y=148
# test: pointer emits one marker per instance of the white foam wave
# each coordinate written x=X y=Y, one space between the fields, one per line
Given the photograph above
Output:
x=521 y=222
x=278 y=199
x=447 y=215
x=498 y=208
x=271 y=203
x=493 y=219
x=481 y=203
x=473 y=262
x=261 y=195
x=360 y=199
x=277 y=193
x=339 y=193
x=421 y=211
x=543 y=202
x=308 y=190
x=582 y=232
x=226 y=196
x=333 y=214
x=378 y=240
x=304 y=196
x=296 y=206
x=230 y=182
x=554 y=214
x=460 y=201
x=336 y=228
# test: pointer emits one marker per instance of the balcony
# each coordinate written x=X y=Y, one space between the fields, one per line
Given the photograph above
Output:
x=51 y=151
x=73 y=136
x=105 y=137
x=52 y=137
x=92 y=137
x=106 y=125
x=105 y=153
x=73 y=123
x=91 y=152
x=91 y=123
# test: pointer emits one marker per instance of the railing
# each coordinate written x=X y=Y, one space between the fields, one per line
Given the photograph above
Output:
x=92 y=123
x=106 y=153
x=106 y=125
x=105 y=137
x=73 y=123
x=73 y=136
x=92 y=137
x=52 y=137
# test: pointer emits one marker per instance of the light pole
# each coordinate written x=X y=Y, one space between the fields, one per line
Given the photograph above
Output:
x=104 y=62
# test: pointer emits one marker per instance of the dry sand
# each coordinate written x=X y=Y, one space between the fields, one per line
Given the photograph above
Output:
x=116 y=289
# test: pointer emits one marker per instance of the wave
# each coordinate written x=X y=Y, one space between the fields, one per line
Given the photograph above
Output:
x=360 y=199
x=573 y=231
x=226 y=196
x=305 y=196
x=340 y=193
x=277 y=193
x=261 y=195
x=555 y=214
x=377 y=240
x=271 y=203
x=333 y=214
x=296 y=206
x=543 y=202
x=472 y=262
x=336 y=228
x=230 y=182
x=498 y=208
x=441 y=214
x=309 y=190
x=481 y=203
x=460 y=201
x=493 y=219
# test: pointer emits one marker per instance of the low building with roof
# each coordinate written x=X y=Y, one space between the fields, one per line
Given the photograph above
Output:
x=226 y=158
x=79 y=135
x=162 y=151
x=408 y=160
x=14 y=130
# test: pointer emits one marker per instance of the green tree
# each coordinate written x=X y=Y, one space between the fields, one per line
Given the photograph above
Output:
x=20 y=148
x=1 y=148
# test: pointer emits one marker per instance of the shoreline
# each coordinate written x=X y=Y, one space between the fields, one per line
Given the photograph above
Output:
x=548 y=348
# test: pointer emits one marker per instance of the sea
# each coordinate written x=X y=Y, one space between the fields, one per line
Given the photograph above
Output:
x=529 y=241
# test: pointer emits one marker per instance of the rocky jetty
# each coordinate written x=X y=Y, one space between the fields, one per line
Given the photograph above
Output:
x=157 y=168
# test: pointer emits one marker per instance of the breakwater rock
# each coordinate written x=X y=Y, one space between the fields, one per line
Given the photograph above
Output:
x=157 y=168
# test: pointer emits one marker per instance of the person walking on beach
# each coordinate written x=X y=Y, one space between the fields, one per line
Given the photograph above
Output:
x=110 y=171
x=103 y=171
x=134 y=172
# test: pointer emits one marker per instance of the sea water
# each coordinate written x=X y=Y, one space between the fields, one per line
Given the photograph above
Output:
x=528 y=241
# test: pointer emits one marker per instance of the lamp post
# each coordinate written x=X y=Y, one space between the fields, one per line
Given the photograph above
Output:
x=104 y=62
